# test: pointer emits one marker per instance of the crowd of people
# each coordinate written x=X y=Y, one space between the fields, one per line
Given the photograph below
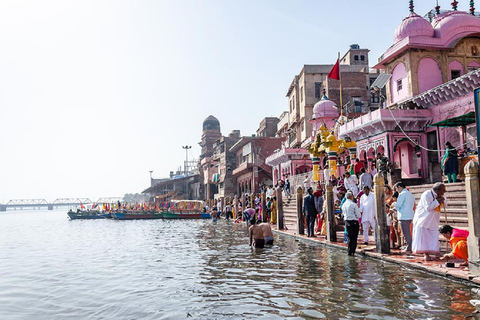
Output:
x=413 y=227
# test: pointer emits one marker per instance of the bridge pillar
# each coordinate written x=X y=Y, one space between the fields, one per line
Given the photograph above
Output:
x=3 y=207
x=50 y=206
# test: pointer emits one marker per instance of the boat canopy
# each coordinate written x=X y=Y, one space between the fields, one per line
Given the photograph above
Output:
x=187 y=204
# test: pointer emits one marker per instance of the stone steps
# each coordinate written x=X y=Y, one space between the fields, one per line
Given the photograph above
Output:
x=290 y=212
x=457 y=215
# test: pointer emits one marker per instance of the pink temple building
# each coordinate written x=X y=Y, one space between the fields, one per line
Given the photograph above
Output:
x=431 y=71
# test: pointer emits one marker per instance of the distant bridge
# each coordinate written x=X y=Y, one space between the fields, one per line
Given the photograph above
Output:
x=39 y=203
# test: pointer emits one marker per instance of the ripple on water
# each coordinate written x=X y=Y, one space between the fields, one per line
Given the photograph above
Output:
x=53 y=268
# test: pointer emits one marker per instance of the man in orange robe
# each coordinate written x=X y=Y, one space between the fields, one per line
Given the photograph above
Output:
x=458 y=242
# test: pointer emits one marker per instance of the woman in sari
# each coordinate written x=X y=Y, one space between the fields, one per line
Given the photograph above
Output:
x=450 y=163
x=273 y=217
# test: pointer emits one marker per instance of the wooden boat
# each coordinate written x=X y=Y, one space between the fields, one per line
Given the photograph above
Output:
x=88 y=214
x=185 y=215
x=134 y=215
x=185 y=209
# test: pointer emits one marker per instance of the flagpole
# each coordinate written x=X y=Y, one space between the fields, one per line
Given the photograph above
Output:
x=341 y=91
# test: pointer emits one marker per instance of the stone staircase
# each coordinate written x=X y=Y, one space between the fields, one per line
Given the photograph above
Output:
x=290 y=211
x=456 y=210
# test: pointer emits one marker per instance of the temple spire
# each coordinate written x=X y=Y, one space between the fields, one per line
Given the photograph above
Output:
x=411 y=6
x=437 y=8
x=454 y=5
x=472 y=7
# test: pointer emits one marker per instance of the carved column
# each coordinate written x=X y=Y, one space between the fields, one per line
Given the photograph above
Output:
x=252 y=203
x=316 y=169
x=244 y=202
x=382 y=239
x=300 y=219
x=279 y=209
x=332 y=162
x=264 y=206
x=330 y=217
x=473 y=208
x=235 y=206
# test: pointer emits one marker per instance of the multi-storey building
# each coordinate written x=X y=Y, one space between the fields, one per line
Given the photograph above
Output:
x=216 y=161
x=430 y=74
x=305 y=91
x=251 y=171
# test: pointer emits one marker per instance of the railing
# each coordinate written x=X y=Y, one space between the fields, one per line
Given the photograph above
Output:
x=298 y=179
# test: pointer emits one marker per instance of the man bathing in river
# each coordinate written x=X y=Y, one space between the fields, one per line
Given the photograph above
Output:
x=267 y=232
x=256 y=234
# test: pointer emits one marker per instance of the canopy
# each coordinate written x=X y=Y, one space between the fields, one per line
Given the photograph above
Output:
x=459 y=121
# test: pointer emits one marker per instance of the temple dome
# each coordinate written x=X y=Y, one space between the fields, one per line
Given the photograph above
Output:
x=413 y=26
x=452 y=25
x=324 y=108
x=211 y=123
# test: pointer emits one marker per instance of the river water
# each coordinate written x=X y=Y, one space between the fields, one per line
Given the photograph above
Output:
x=54 y=268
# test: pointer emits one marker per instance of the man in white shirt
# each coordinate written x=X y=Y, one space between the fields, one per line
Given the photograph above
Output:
x=351 y=183
x=367 y=208
x=404 y=206
x=306 y=182
x=427 y=220
x=269 y=192
x=351 y=214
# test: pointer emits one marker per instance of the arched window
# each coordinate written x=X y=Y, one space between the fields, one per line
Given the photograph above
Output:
x=473 y=65
x=398 y=83
x=456 y=69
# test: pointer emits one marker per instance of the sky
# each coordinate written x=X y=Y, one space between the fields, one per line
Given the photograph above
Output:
x=95 y=94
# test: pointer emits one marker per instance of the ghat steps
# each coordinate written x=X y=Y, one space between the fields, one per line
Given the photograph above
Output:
x=456 y=210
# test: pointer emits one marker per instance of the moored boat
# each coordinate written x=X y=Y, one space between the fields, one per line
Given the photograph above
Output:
x=185 y=215
x=185 y=209
x=134 y=215
x=88 y=214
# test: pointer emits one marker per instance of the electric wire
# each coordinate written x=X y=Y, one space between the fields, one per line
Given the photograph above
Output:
x=417 y=144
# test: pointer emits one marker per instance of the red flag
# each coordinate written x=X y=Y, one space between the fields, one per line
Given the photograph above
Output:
x=335 y=72
x=82 y=206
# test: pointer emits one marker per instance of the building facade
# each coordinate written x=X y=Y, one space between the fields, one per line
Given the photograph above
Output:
x=432 y=67
x=216 y=161
x=307 y=90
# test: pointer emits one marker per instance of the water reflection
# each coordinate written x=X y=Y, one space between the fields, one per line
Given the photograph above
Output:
x=297 y=279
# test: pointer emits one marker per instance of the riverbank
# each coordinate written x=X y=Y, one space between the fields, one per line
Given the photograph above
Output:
x=411 y=261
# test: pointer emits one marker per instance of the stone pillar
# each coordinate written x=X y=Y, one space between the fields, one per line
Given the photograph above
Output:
x=330 y=216
x=382 y=240
x=332 y=163
x=472 y=189
x=279 y=209
x=300 y=224
x=235 y=206
x=316 y=169
x=264 y=206
x=252 y=203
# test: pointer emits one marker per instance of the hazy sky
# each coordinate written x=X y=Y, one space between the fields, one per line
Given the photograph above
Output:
x=94 y=94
